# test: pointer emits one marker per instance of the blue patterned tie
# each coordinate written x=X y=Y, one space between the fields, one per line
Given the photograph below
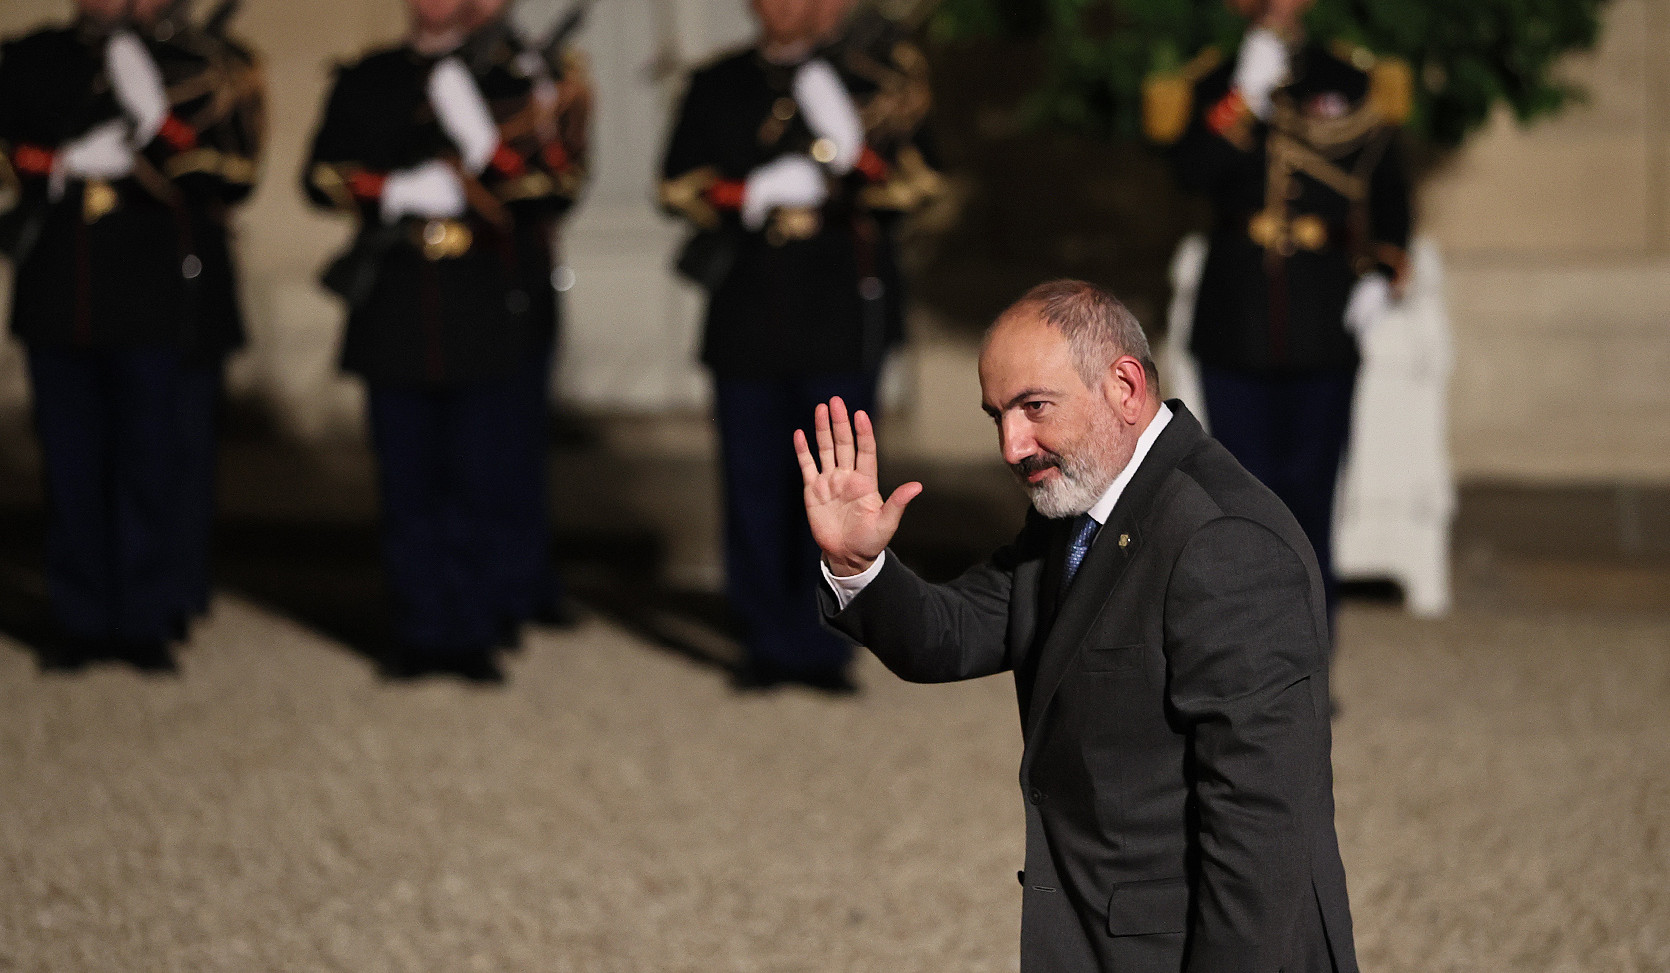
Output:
x=1084 y=531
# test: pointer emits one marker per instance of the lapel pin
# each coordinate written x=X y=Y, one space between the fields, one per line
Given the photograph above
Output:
x=1124 y=541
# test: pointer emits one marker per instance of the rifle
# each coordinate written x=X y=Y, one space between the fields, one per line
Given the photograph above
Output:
x=566 y=28
x=220 y=18
x=484 y=45
x=174 y=19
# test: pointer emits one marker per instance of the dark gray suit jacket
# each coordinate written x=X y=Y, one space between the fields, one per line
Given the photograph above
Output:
x=1174 y=706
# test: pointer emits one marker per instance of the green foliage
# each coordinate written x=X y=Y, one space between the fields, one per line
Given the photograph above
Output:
x=1467 y=55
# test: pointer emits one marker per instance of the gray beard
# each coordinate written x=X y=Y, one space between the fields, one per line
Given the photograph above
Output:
x=1083 y=480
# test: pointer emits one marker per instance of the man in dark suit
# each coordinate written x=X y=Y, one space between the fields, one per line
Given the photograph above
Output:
x=1165 y=622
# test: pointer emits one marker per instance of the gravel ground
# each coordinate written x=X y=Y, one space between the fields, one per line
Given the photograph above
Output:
x=1503 y=782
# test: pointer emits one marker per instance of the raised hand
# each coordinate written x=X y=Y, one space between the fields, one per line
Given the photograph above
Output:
x=850 y=521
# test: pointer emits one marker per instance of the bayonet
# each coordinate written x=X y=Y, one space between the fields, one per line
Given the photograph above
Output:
x=564 y=31
x=221 y=17
x=175 y=19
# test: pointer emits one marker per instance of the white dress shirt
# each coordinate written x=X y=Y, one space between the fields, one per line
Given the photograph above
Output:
x=847 y=588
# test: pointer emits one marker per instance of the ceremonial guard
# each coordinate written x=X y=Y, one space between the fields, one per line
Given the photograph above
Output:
x=1296 y=145
x=449 y=290
x=794 y=160
x=117 y=235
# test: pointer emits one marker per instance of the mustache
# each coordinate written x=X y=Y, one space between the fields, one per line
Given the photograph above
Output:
x=1036 y=464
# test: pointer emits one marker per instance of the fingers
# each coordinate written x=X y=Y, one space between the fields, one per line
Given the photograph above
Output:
x=826 y=439
x=865 y=461
x=803 y=453
x=842 y=426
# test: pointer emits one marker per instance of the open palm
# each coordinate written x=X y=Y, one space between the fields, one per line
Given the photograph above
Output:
x=850 y=520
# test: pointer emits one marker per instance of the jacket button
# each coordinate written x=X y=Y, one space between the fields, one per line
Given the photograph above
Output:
x=1036 y=796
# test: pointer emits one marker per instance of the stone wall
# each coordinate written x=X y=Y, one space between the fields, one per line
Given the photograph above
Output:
x=1558 y=240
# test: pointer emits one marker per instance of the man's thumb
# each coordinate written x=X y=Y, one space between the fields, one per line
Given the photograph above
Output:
x=894 y=509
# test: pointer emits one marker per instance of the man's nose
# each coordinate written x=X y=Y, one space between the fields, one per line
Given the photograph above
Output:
x=1014 y=439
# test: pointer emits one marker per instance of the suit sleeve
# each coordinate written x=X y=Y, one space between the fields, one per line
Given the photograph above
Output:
x=1243 y=645
x=932 y=633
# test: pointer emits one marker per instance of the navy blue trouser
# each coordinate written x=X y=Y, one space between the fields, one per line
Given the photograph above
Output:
x=197 y=418
x=528 y=585
x=771 y=562
x=444 y=456
x=1290 y=432
x=106 y=422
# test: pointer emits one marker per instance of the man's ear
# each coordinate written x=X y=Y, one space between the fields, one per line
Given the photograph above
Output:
x=1126 y=387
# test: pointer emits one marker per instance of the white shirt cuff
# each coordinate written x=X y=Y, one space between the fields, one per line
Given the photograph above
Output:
x=846 y=589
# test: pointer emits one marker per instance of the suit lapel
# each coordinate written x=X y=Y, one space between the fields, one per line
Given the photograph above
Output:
x=1103 y=566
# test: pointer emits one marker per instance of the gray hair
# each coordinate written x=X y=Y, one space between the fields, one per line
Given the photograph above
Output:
x=1098 y=328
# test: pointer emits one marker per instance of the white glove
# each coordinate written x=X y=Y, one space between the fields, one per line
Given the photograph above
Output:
x=790 y=180
x=829 y=112
x=1370 y=302
x=138 y=85
x=430 y=191
x=463 y=113
x=103 y=153
x=1260 y=68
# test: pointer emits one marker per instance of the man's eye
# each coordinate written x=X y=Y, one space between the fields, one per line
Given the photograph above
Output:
x=1034 y=408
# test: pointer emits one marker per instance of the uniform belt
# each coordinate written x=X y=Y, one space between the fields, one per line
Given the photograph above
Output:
x=441 y=239
x=1288 y=234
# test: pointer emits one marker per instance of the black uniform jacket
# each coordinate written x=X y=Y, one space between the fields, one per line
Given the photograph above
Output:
x=474 y=303
x=792 y=302
x=1325 y=159
x=133 y=263
x=1176 y=773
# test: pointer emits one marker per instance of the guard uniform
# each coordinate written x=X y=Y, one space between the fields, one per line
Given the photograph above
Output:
x=108 y=274
x=452 y=312
x=1305 y=204
x=543 y=109
x=800 y=309
x=217 y=84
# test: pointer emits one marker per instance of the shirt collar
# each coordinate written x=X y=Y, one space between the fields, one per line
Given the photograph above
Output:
x=1104 y=507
